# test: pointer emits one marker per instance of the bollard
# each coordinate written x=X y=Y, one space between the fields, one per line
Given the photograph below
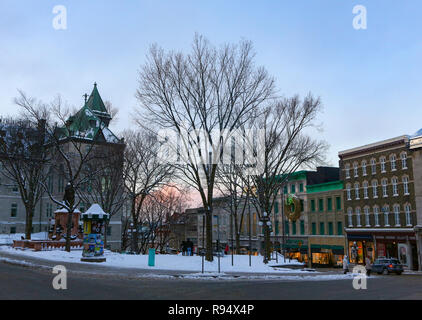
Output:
x=151 y=257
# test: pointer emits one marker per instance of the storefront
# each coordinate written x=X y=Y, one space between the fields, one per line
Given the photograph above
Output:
x=296 y=249
x=327 y=255
x=399 y=244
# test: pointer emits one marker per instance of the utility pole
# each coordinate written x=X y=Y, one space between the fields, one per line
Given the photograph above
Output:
x=250 y=233
x=203 y=242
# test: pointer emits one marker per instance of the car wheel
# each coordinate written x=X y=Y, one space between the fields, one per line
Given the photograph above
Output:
x=385 y=271
x=398 y=273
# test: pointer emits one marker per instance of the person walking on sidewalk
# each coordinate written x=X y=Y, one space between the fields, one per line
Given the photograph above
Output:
x=368 y=266
x=346 y=264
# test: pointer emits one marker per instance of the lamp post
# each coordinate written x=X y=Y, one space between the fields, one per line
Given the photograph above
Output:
x=132 y=236
x=265 y=222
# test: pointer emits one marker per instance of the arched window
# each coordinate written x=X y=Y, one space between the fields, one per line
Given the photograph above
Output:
x=357 y=191
x=382 y=163
x=394 y=182
x=373 y=166
x=365 y=190
x=374 y=188
x=393 y=162
x=386 y=213
x=403 y=157
x=347 y=170
x=349 y=214
x=364 y=167
x=407 y=213
x=376 y=216
x=366 y=210
x=384 y=187
x=406 y=185
x=397 y=215
x=348 y=192
x=358 y=217
x=355 y=169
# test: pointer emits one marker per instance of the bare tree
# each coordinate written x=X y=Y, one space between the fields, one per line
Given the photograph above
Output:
x=144 y=172
x=201 y=98
x=286 y=147
x=24 y=156
x=106 y=188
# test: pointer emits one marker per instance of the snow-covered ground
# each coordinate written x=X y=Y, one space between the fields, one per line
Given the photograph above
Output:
x=8 y=238
x=165 y=262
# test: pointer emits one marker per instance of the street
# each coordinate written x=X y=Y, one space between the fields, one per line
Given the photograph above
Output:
x=19 y=282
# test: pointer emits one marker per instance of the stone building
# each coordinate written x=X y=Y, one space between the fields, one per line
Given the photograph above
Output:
x=91 y=122
x=311 y=232
x=379 y=195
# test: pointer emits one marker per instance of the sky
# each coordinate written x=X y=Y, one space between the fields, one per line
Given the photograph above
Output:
x=368 y=79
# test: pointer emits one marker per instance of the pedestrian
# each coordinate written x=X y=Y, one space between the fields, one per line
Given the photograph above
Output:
x=346 y=264
x=226 y=250
x=368 y=266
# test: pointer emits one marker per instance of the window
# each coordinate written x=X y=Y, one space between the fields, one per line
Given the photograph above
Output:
x=321 y=205
x=321 y=228
x=349 y=213
x=82 y=207
x=386 y=223
x=302 y=205
x=347 y=171
x=12 y=230
x=393 y=162
x=394 y=183
x=313 y=228
x=397 y=215
x=374 y=188
x=276 y=226
x=285 y=189
x=366 y=210
x=365 y=190
x=339 y=228
x=301 y=187
x=294 y=227
x=358 y=217
x=109 y=231
x=384 y=187
x=14 y=210
x=275 y=207
x=364 y=168
x=329 y=204
x=15 y=188
x=349 y=193
x=382 y=163
x=293 y=188
x=60 y=185
x=302 y=227
x=50 y=184
x=313 y=205
x=407 y=213
x=406 y=185
x=286 y=227
x=403 y=157
x=355 y=169
x=338 y=203
x=49 y=210
x=357 y=191
x=376 y=215
x=330 y=228
x=373 y=166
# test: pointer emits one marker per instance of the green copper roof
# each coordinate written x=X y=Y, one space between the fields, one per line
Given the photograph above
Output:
x=328 y=186
x=89 y=123
x=96 y=104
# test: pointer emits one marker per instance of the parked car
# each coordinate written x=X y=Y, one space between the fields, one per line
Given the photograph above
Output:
x=387 y=265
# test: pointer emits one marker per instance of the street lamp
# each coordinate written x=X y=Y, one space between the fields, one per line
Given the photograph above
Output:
x=132 y=235
x=265 y=222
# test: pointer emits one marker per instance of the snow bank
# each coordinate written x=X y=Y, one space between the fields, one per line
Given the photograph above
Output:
x=8 y=238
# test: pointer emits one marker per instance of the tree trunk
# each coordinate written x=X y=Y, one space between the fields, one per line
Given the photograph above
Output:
x=28 y=224
x=209 y=246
